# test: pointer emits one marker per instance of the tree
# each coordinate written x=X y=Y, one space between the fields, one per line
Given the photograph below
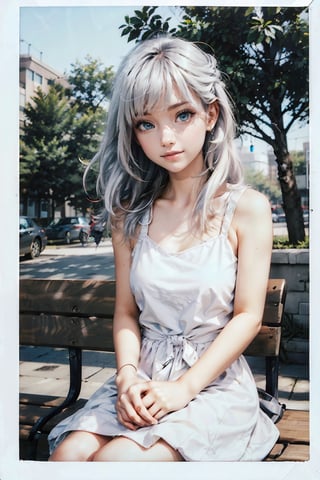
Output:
x=44 y=146
x=91 y=87
x=260 y=181
x=263 y=53
x=299 y=162
x=91 y=84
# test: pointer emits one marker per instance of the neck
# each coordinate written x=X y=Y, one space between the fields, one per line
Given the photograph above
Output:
x=184 y=191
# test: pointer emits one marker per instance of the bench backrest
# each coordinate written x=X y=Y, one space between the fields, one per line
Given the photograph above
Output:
x=78 y=313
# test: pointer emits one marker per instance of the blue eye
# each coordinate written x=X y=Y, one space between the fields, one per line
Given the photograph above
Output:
x=184 y=116
x=144 y=126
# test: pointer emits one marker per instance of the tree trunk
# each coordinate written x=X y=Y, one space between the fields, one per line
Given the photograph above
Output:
x=291 y=198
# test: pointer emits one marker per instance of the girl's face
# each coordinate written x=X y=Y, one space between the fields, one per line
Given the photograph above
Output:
x=172 y=134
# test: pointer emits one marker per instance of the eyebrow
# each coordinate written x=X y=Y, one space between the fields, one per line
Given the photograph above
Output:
x=173 y=106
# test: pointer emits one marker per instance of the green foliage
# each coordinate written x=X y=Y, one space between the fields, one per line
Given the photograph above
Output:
x=282 y=242
x=44 y=145
x=91 y=84
x=144 y=25
x=91 y=87
x=262 y=183
x=299 y=162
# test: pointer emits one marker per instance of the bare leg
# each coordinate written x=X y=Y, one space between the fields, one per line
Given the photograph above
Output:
x=78 y=446
x=122 y=449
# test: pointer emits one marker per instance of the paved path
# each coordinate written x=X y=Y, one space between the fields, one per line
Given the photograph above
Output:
x=71 y=261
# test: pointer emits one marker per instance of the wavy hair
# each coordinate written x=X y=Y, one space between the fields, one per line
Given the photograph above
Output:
x=128 y=181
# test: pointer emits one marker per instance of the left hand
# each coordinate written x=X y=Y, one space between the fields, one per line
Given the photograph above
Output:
x=160 y=398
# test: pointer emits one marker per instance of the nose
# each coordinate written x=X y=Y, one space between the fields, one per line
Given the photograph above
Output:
x=167 y=136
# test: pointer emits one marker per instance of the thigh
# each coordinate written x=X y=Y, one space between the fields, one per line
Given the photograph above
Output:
x=78 y=446
x=122 y=449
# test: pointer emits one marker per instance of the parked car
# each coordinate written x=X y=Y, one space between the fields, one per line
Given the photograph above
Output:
x=33 y=238
x=282 y=218
x=68 y=229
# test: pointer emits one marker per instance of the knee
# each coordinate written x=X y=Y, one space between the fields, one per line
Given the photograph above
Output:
x=72 y=449
x=112 y=453
x=65 y=453
x=107 y=454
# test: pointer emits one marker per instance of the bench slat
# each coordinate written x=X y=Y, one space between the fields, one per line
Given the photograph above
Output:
x=275 y=299
x=294 y=453
x=29 y=414
x=38 y=399
x=266 y=343
x=289 y=453
x=96 y=334
x=74 y=297
x=293 y=442
x=52 y=330
x=294 y=426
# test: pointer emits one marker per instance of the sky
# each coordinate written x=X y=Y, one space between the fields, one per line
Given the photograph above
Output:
x=65 y=34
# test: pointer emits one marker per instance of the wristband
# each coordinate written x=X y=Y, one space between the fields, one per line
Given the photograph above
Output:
x=126 y=365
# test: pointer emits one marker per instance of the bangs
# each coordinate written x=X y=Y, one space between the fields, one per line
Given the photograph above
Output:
x=153 y=82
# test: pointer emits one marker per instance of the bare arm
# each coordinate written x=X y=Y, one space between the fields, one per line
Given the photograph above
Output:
x=126 y=332
x=127 y=339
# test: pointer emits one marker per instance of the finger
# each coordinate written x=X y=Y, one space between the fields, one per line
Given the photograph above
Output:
x=138 y=402
x=128 y=413
x=126 y=423
x=145 y=414
x=148 y=400
x=124 y=419
x=160 y=414
x=136 y=414
x=154 y=409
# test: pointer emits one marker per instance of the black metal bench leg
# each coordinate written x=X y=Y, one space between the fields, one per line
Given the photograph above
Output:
x=272 y=372
x=75 y=369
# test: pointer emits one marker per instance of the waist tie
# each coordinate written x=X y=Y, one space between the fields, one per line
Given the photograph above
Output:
x=176 y=350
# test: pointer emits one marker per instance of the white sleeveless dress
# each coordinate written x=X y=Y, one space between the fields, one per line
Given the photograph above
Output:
x=185 y=300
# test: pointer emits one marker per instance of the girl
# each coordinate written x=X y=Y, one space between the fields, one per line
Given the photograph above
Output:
x=192 y=250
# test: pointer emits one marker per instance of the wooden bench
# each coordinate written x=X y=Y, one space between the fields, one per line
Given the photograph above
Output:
x=77 y=315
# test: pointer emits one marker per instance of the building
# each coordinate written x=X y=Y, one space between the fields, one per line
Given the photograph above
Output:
x=34 y=74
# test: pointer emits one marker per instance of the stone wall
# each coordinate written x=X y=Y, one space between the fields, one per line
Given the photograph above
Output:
x=293 y=265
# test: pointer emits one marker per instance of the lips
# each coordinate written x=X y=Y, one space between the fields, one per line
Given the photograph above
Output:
x=172 y=154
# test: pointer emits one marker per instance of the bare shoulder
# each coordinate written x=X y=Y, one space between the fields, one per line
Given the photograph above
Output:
x=253 y=204
x=252 y=214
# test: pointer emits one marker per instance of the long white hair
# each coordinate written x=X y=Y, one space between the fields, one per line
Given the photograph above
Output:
x=128 y=181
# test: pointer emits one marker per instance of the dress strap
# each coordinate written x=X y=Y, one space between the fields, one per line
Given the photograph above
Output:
x=231 y=204
x=145 y=222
